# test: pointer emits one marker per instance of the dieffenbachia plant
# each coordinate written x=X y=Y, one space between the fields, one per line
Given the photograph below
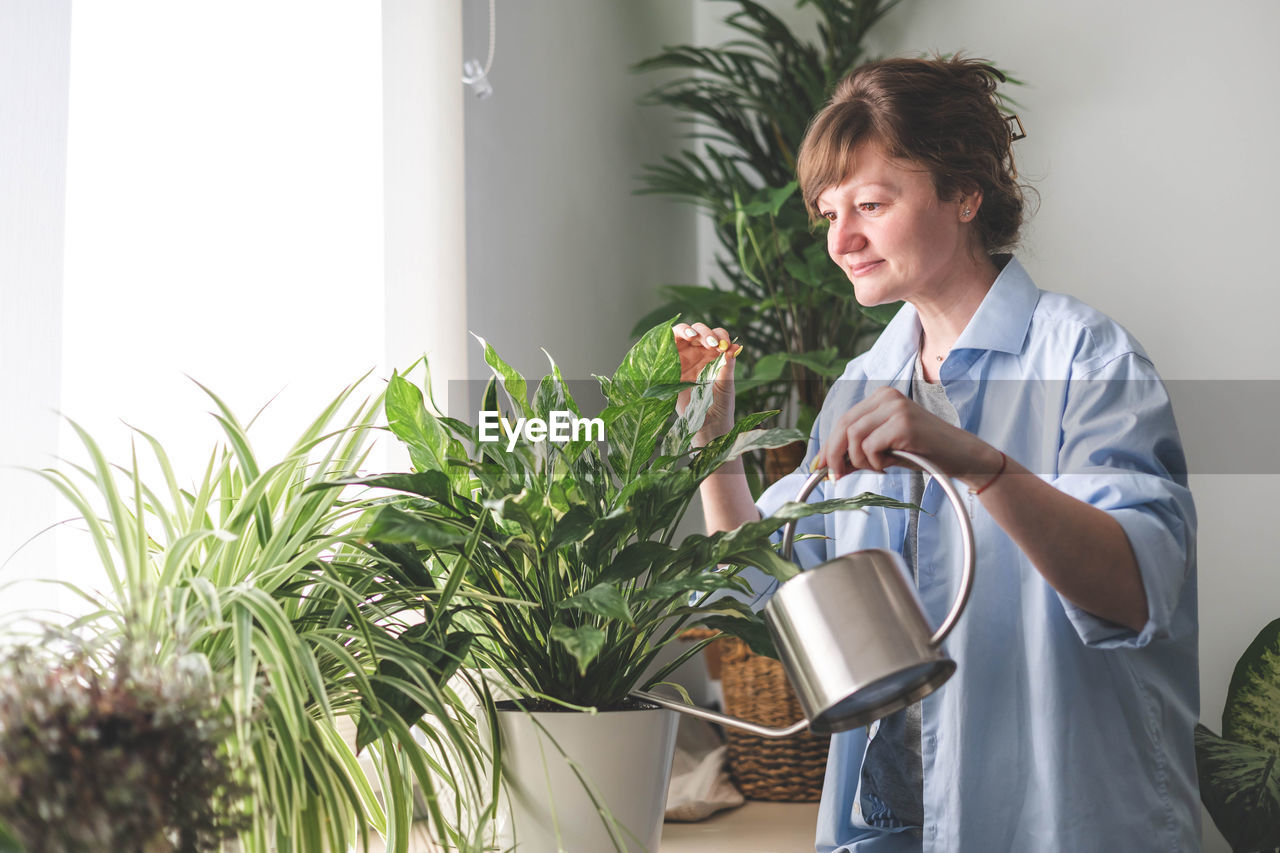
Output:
x=1240 y=771
x=556 y=564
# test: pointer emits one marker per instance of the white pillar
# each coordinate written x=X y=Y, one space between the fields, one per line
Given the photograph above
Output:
x=426 y=251
x=35 y=61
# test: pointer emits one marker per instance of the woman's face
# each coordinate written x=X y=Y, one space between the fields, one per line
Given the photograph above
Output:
x=891 y=234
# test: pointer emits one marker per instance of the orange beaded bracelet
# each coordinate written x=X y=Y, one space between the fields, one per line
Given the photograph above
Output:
x=1004 y=460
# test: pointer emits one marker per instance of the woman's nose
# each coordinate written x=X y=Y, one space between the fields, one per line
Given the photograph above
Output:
x=845 y=237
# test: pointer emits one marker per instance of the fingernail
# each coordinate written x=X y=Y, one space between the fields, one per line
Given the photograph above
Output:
x=690 y=333
x=723 y=345
x=813 y=466
x=737 y=352
x=831 y=476
x=712 y=340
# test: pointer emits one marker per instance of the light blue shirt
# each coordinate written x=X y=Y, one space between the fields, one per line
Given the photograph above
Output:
x=1060 y=731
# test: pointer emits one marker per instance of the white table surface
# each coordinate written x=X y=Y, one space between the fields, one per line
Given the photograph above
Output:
x=757 y=827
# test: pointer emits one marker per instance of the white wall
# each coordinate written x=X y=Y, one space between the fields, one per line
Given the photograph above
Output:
x=560 y=254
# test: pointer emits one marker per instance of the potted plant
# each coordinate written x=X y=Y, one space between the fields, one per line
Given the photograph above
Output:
x=556 y=558
x=124 y=753
x=749 y=101
x=251 y=574
x=1240 y=770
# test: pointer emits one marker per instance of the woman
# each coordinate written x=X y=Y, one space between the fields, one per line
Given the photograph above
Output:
x=1068 y=725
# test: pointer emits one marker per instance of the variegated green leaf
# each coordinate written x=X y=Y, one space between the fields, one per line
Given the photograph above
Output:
x=1240 y=787
x=584 y=643
x=633 y=430
x=652 y=361
x=601 y=600
x=512 y=382
x=1252 y=712
x=396 y=526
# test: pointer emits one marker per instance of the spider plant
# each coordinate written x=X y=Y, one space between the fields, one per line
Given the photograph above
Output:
x=749 y=101
x=265 y=581
x=564 y=554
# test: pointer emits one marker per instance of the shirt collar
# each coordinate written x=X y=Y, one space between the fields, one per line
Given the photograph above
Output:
x=1000 y=323
x=1002 y=320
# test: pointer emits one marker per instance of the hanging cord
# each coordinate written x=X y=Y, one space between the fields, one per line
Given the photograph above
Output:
x=472 y=74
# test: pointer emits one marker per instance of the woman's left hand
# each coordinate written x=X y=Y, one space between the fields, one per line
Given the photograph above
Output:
x=887 y=420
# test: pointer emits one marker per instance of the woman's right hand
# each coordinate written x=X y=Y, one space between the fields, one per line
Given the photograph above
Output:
x=699 y=345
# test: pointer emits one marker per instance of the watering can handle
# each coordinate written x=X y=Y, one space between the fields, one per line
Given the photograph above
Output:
x=966 y=534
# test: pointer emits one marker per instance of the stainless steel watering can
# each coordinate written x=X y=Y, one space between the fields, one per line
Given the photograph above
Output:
x=851 y=634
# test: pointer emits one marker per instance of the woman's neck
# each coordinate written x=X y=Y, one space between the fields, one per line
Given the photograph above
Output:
x=946 y=313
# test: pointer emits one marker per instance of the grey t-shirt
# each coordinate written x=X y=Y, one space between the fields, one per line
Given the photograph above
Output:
x=891 y=788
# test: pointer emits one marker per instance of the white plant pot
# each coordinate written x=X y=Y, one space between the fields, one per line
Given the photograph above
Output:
x=624 y=759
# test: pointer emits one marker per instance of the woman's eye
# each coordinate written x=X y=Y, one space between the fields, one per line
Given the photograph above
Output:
x=870 y=206
x=829 y=215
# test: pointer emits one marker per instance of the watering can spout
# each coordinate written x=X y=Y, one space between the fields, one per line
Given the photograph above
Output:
x=723 y=719
x=852 y=635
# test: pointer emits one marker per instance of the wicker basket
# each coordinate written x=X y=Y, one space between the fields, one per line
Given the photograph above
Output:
x=756 y=689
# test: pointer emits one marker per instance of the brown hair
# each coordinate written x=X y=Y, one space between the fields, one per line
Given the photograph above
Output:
x=939 y=113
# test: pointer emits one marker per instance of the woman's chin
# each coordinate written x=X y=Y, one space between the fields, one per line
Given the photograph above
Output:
x=870 y=296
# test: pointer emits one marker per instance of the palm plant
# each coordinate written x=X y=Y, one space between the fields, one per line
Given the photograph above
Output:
x=749 y=101
x=264 y=579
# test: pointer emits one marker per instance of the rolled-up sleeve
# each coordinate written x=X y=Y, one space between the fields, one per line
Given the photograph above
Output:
x=1120 y=452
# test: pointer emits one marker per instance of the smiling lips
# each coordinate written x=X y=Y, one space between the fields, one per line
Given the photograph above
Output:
x=864 y=268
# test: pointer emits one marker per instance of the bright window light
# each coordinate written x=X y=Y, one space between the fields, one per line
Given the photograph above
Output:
x=224 y=220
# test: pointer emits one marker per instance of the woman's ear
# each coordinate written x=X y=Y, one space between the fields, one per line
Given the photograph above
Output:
x=970 y=203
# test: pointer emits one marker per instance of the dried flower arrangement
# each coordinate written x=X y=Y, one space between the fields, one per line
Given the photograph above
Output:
x=121 y=755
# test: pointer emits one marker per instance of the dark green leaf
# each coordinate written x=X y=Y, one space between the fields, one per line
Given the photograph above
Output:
x=770 y=367
x=428 y=484
x=1240 y=787
x=607 y=533
x=1252 y=712
x=436 y=652
x=769 y=200
x=656 y=497
x=405 y=565
x=753 y=633
x=584 y=643
x=601 y=600
x=394 y=525
x=731 y=446
x=8 y=843
x=680 y=586
x=573 y=526
x=638 y=558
